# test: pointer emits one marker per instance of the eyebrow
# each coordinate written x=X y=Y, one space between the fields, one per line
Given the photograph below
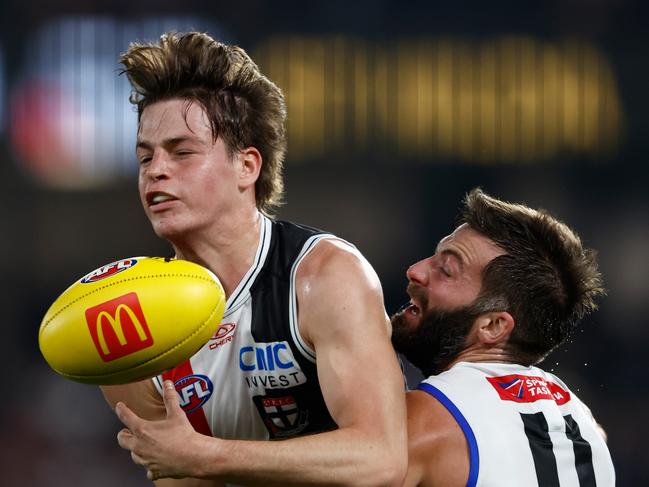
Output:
x=453 y=253
x=143 y=144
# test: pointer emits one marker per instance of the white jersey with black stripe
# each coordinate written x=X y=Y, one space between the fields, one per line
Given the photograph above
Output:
x=256 y=377
x=524 y=427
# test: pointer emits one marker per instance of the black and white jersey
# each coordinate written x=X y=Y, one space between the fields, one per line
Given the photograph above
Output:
x=256 y=377
x=523 y=426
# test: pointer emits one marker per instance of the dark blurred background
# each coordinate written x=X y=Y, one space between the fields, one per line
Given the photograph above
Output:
x=396 y=109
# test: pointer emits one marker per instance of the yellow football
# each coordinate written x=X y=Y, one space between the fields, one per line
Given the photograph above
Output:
x=131 y=319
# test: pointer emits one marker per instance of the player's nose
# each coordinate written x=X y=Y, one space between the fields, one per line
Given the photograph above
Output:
x=418 y=272
x=158 y=166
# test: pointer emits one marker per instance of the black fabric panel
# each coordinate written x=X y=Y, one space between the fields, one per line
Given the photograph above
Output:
x=583 y=454
x=545 y=463
x=270 y=323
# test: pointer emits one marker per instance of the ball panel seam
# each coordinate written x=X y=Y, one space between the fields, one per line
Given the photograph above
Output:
x=122 y=280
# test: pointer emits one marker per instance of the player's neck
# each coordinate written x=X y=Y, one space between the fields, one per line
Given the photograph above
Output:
x=227 y=249
x=476 y=354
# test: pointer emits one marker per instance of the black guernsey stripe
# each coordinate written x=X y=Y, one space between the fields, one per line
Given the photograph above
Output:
x=545 y=463
x=583 y=454
x=303 y=404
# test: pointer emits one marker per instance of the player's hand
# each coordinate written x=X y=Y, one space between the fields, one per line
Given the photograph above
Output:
x=165 y=447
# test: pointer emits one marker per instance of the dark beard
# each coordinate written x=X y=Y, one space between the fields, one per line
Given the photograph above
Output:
x=437 y=340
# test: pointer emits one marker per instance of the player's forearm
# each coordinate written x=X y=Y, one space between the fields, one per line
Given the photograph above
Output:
x=341 y=457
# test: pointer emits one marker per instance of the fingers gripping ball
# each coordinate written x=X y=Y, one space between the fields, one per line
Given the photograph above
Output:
x=131 y=319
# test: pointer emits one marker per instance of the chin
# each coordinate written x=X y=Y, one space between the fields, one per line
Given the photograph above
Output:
x=168 y=230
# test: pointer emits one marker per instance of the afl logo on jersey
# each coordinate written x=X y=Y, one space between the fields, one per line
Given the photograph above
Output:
x=108 y=270
x=194 y=391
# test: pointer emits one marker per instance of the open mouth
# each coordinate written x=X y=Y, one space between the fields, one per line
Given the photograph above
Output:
x=410 y=308
x=158 y=198
x=413 y=309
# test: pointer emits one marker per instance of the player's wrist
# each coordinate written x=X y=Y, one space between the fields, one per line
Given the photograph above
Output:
x=210 y=458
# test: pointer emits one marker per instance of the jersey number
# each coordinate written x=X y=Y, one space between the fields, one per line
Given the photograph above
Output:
x=536 y=430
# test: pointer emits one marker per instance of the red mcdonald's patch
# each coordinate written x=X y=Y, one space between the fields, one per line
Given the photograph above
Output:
x=118 y=327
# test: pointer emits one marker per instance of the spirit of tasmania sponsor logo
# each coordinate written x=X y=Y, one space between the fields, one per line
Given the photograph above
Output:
x=525 y=388
x=270 y=366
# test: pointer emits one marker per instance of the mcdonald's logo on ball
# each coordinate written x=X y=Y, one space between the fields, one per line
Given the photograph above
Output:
x=118 y=327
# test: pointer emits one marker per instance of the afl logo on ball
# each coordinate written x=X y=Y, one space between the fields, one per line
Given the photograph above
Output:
x=108 y=270
x=194 y=391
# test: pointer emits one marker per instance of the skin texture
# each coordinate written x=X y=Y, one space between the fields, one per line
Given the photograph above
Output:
x=211 y=219
x=438 y=453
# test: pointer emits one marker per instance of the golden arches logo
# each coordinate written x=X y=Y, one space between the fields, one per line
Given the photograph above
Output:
x=115 y=323
x=128 y=333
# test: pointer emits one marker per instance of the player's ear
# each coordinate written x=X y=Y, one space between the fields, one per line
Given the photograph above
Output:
x=494 y=327
x=250 y=161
